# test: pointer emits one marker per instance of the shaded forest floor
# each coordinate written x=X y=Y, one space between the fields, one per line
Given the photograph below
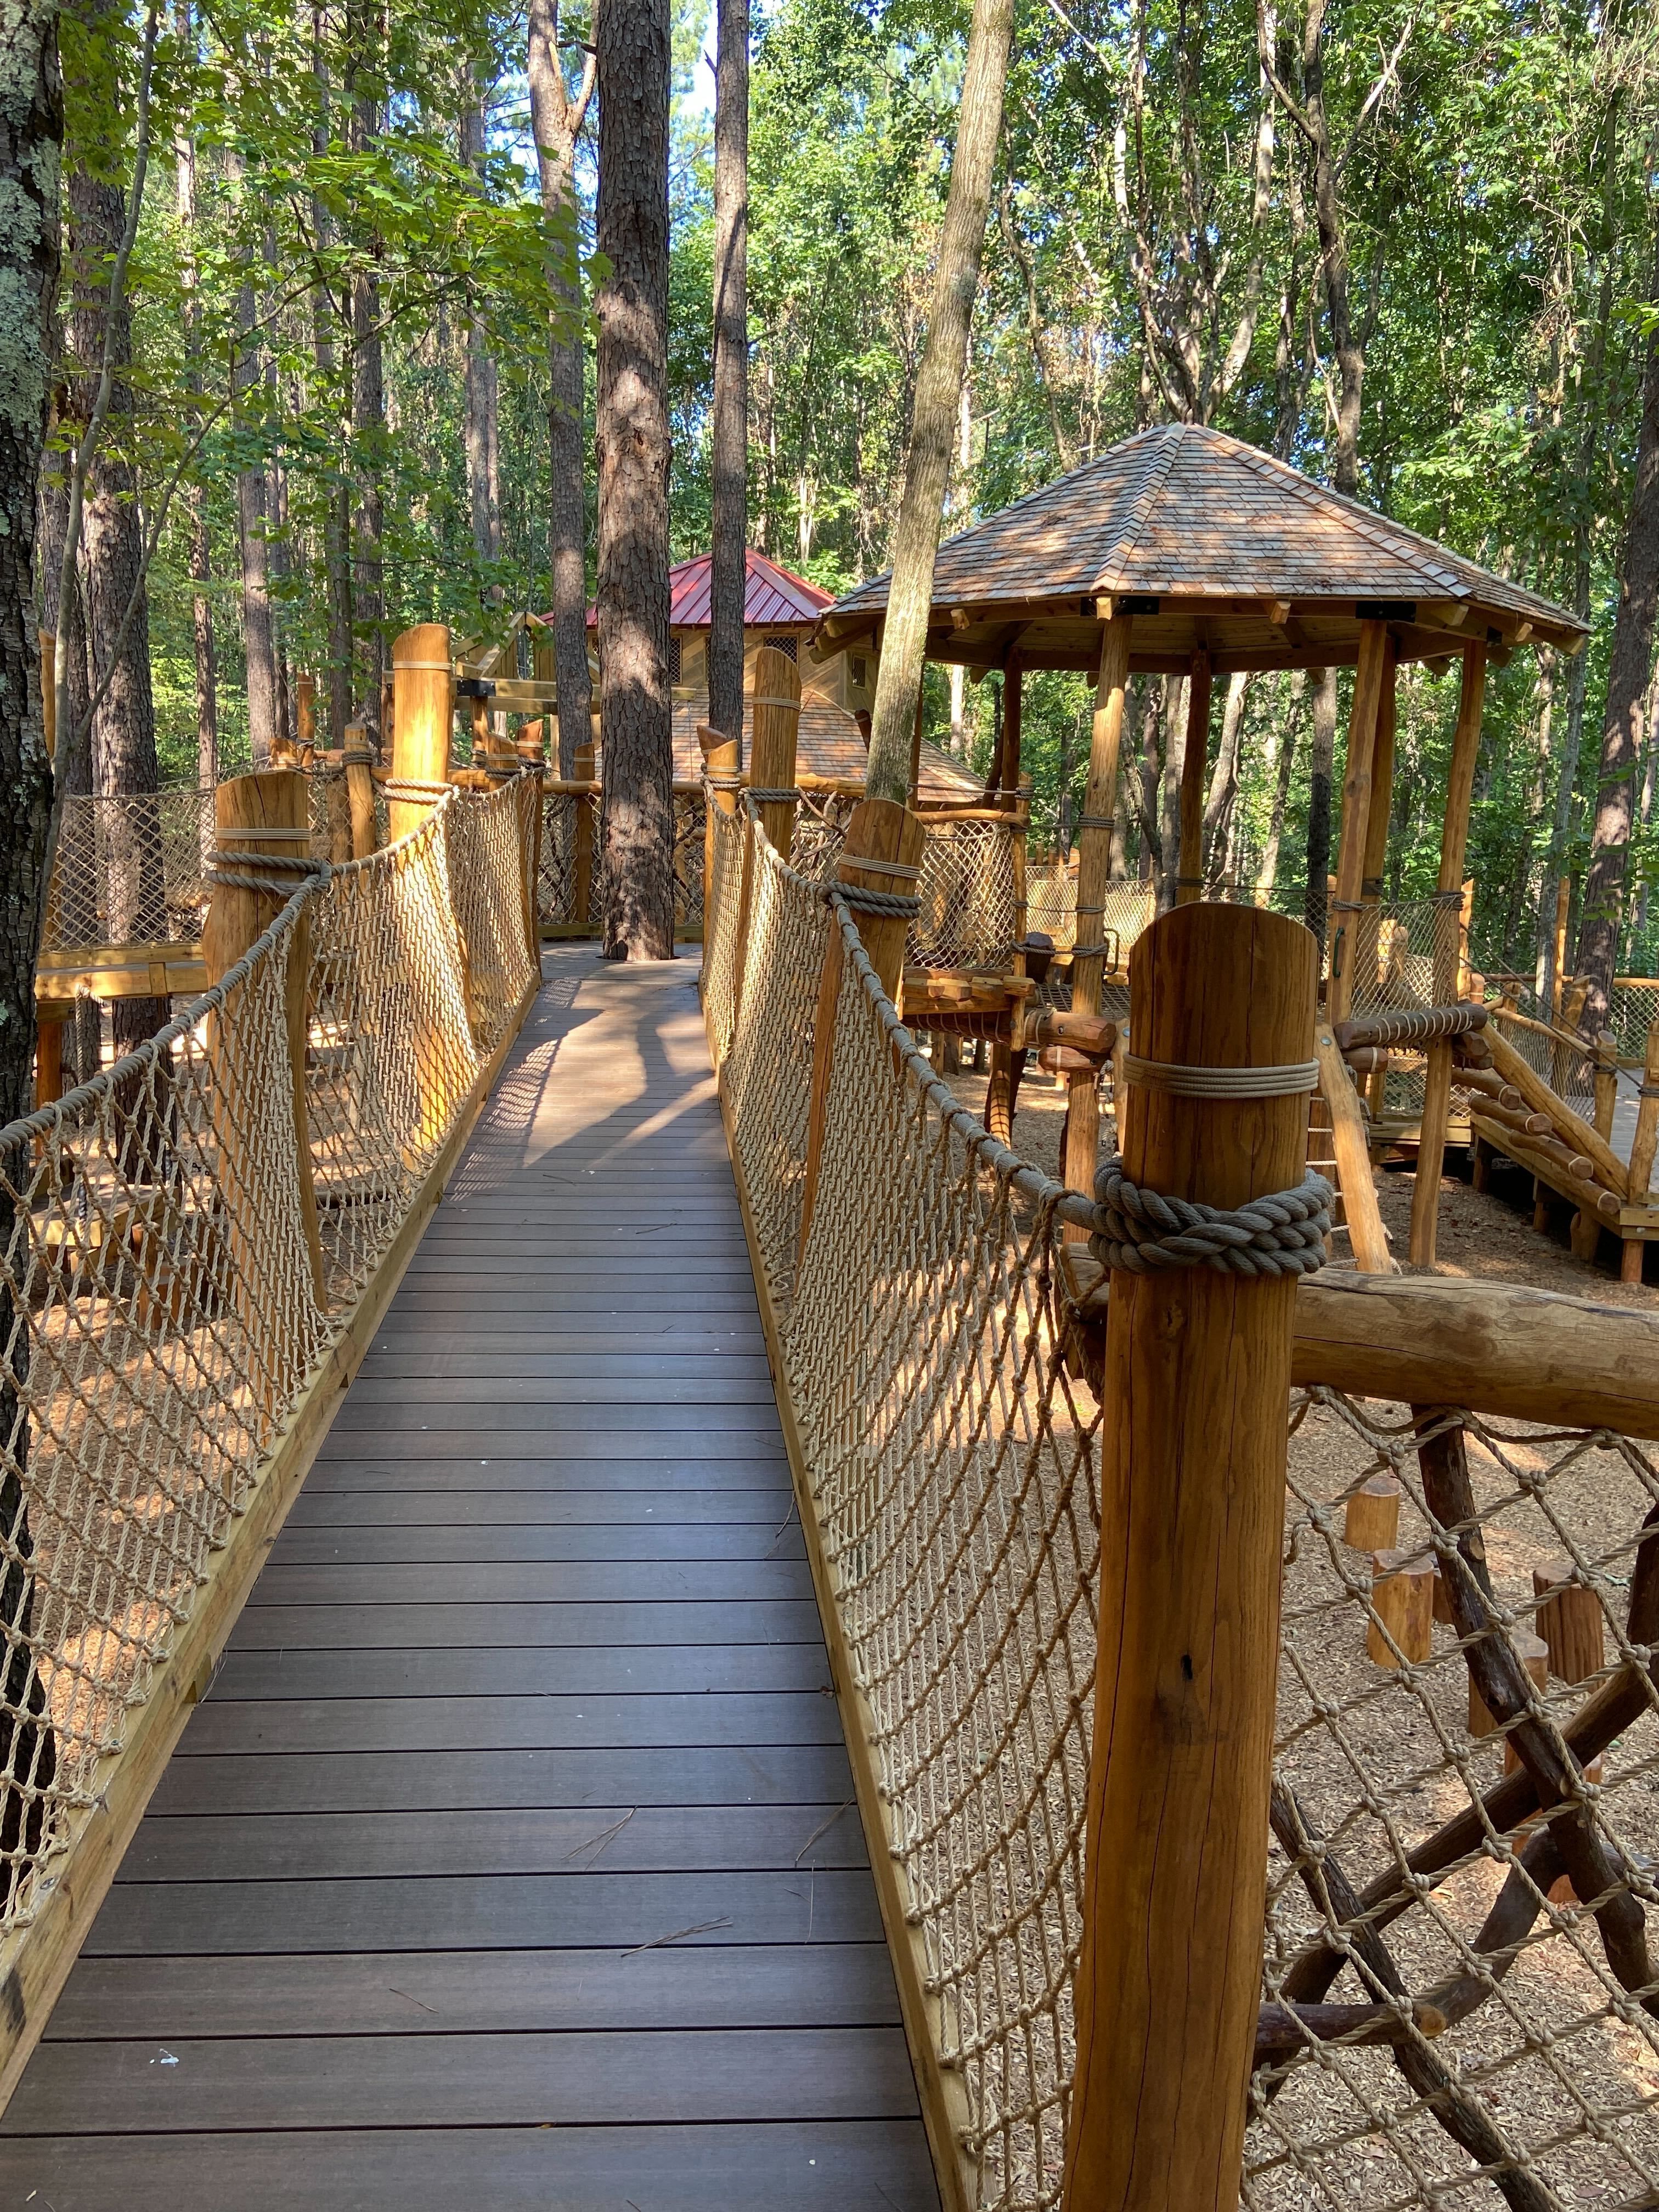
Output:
x=1483 y=1235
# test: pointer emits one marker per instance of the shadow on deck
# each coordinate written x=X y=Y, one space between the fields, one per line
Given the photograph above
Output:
x=511 y=1859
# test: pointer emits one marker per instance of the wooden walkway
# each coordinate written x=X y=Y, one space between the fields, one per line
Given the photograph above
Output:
x=510 y=1861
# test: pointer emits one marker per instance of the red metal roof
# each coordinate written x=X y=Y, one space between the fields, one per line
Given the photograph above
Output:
x=774 y=598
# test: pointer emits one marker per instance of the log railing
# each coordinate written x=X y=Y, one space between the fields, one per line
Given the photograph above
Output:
x=1453 y=2001
x=195 y=1248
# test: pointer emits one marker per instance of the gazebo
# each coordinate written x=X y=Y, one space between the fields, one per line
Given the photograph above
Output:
x=1182 y=551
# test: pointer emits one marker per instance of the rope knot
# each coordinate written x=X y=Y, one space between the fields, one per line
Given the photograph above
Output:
x=1140 y=1230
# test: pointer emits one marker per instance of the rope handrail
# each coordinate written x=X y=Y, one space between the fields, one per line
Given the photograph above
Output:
x=937 y=1338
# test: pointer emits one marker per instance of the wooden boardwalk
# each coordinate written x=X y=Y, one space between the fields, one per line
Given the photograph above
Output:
x=510 y=1861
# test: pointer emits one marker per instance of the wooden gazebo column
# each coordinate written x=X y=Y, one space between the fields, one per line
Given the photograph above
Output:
x=1013 y=710
x=1454 y=844
x=1368 y=937
x=1189 y=880
x=1093 y=873
x=1376 y=664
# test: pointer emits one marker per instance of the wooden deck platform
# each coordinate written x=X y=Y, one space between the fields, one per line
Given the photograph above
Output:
x=510 y=1861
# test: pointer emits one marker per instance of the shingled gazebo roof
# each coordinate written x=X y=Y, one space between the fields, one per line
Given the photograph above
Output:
x=1210 y=543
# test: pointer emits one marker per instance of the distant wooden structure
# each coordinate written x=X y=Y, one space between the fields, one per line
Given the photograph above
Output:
x=1184 y=552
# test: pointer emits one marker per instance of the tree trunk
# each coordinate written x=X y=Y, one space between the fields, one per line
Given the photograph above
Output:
x=728 y=571
x=1333 y=252
x=31 y=130
x=1268 y=876
x=1221 y=804
x=365 y=35
x=483 y=434
x=939 y=391
x=337 y=518
x=253 y=523
x=115 y=604
x=201 y=551
x=1316 y=895
x=1628 y=666
x=558 y=120
x=632 y=37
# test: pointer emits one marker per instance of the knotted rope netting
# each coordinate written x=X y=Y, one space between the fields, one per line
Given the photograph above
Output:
x=167 y=1290
x=1450 y=2014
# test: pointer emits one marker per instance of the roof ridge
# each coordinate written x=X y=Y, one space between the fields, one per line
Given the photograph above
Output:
x=1169 y=435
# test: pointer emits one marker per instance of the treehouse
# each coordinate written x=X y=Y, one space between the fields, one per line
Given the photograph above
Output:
x=1182 y=551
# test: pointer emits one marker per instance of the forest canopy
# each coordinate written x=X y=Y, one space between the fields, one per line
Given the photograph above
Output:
x=337 y=405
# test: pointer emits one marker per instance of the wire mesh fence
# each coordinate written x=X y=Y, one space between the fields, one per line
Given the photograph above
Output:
x=182 y=1241
x=1458 y=2006
x=129 y=870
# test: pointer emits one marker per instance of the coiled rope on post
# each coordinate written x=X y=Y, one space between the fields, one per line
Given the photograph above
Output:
x=1140 y=1230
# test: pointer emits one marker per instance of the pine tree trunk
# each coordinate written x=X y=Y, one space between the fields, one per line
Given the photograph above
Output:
x=558 y=120
x=938 y=394
x=482 y=393
x=632 y=37
x=195 y=496
x=728 y=569
x=115 y=604
x=1628 y=666
x=365 y=33
x=1292 y=710
x=31 y=129
x=337 y=519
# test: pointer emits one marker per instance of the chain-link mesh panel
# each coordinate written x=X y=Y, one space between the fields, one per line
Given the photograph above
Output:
x=165 y=1291
x=1458 y=2006
x=129 y=870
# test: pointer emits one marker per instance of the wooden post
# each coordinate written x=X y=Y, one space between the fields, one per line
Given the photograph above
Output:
x=423 y=710
x=1375 y=668
x=1454 y=839
x=582 y=885
x=775 y=728
x=1197 y=1372
x=1563 y=905
x=1570 y=1621
x=1465 y=923
x=1189 y=880
x=1094 y=872
x=916 y=733
x=1372 y=1522
x=360 y=791
x=1366 y=969
x=305 y=713
x=48 y=1060
x=1013 y=716
x=256 y=815
x=882 y=852
x=722 y=756
x=1605 y=1083
x=1402 y=1599
x=1643 y=1145
x=1534 y=1655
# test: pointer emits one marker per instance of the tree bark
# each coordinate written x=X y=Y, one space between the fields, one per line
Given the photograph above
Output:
x=31 y=134
x=201 y=550
x=1221 y=802
x=112 y=580
x=366 y=39
x=632 y=37
x=558 y=121
x=1628 y=666
x=728 y=570
x=1333 y=262
x=337 y=519
x=483 y=480
x=939 y=389
x=1315 y=897
x=1290 y=716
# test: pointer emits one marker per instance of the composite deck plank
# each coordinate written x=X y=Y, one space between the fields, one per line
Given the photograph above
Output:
x=817 y=2166
x=511 y=1858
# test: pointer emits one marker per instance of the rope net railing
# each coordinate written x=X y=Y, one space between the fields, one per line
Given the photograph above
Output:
x=1457 y=2004
x=570 y=888
x=182 y=1241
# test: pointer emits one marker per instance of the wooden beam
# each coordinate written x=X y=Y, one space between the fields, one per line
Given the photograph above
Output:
x=1353 y=1159
x=1453 y=842
x=1013 y=716
x=1093 y=872
x=1189 y=878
